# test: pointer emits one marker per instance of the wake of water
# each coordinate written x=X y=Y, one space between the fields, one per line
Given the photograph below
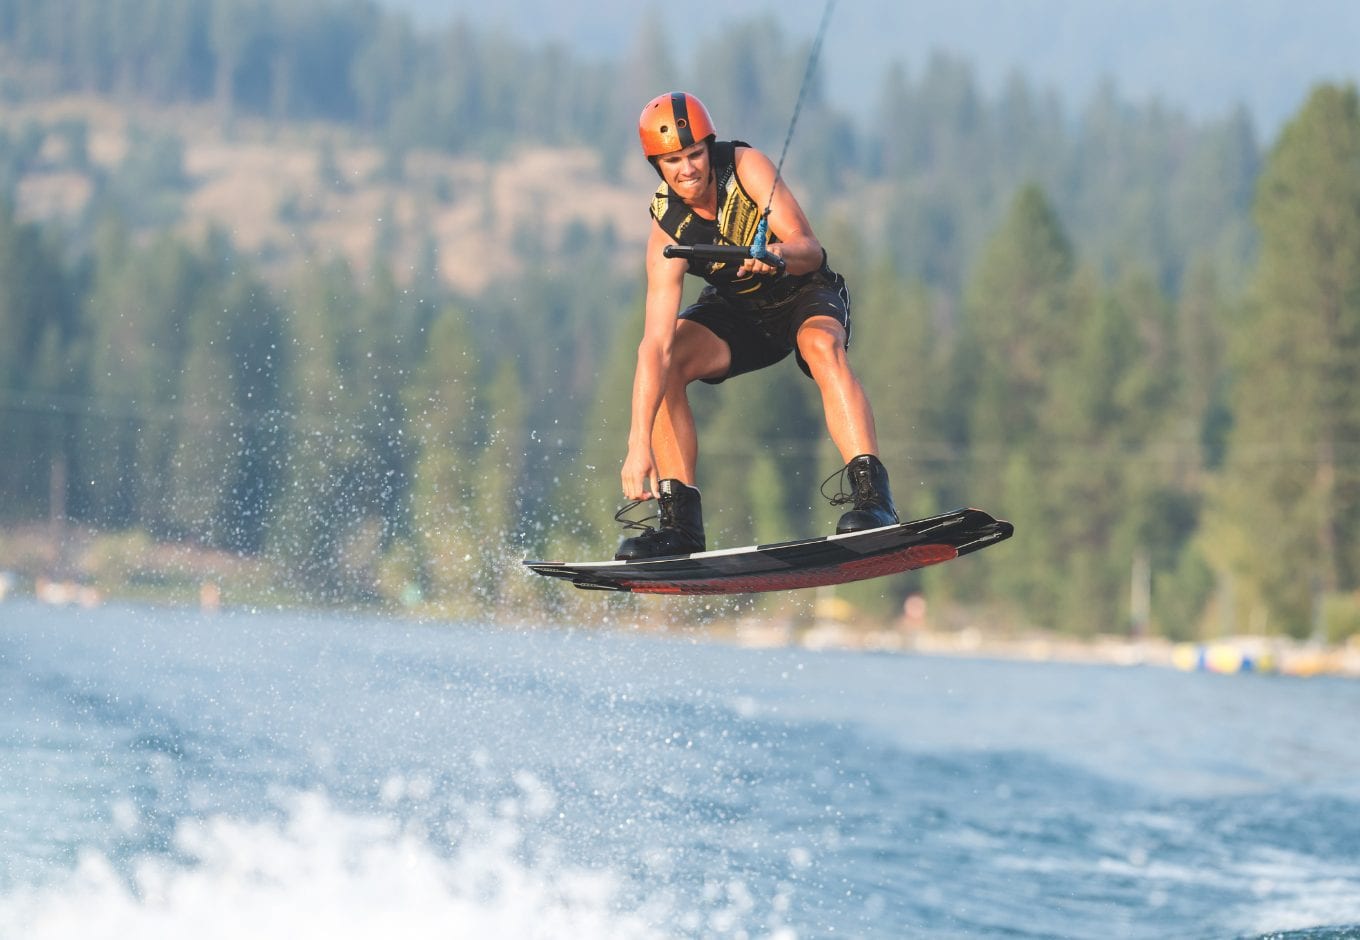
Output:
x=280 y=776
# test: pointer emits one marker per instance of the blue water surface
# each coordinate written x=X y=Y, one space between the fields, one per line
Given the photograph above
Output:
x=166 y=773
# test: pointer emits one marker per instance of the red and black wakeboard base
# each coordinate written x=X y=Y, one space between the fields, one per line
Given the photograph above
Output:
x=804 y=563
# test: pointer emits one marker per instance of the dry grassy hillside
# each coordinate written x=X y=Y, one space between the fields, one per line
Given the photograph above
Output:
x=292 y=192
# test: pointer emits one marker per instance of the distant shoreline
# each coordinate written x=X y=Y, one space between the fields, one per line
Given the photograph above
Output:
x=1228 y=655
x=92 y=570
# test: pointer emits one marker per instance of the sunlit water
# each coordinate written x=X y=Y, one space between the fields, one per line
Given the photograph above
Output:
x=166 y=774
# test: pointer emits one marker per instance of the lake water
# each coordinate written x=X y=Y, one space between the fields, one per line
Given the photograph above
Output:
x=168 y=774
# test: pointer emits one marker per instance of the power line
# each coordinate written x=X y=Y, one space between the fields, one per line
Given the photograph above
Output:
x=562 y=439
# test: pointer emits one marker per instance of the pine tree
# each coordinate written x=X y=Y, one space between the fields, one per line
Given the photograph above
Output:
x=40 y=368
x=588 y=490
x=225 y=462
x=446 y=431
x=142 y=301
x=499 y=481
x=1288 y=502
x=1019 y=323
x=313 y=512
x=202 y=457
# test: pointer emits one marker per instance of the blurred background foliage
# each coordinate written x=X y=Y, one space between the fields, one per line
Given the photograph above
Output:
x=1133 y=334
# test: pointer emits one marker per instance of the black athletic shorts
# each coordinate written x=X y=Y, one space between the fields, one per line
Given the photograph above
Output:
x=760 y=336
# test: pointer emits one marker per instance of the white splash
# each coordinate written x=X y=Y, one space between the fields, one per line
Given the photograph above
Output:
x=325 y=873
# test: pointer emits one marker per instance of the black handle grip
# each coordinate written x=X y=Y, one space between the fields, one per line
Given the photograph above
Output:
x=708 y=252
x=733 y=253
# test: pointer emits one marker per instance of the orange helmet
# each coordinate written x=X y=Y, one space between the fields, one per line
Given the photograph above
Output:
x=673 y=122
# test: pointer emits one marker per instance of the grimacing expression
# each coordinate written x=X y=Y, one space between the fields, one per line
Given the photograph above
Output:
x=687 y=172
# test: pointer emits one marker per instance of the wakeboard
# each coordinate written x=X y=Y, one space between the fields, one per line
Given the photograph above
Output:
x=804 y=563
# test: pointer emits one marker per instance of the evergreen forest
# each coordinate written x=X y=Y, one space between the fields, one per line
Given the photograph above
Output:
x=1134 y=335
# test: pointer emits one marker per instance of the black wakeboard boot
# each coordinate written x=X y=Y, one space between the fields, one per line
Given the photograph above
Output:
x=872 y=498
x=681 y=530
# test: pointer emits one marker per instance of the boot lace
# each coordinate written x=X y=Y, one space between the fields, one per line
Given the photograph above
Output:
x=846 y=491
x=638 y=524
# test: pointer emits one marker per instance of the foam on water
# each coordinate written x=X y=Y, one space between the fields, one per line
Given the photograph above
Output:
x=1295 y=892
x=323 y=872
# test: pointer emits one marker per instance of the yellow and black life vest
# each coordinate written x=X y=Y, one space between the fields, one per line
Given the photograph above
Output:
x=738 y=217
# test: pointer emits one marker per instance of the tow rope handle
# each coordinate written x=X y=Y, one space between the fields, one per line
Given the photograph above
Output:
x=732 y=253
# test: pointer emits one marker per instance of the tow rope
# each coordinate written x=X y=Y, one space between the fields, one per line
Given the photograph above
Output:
x=762 y=230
